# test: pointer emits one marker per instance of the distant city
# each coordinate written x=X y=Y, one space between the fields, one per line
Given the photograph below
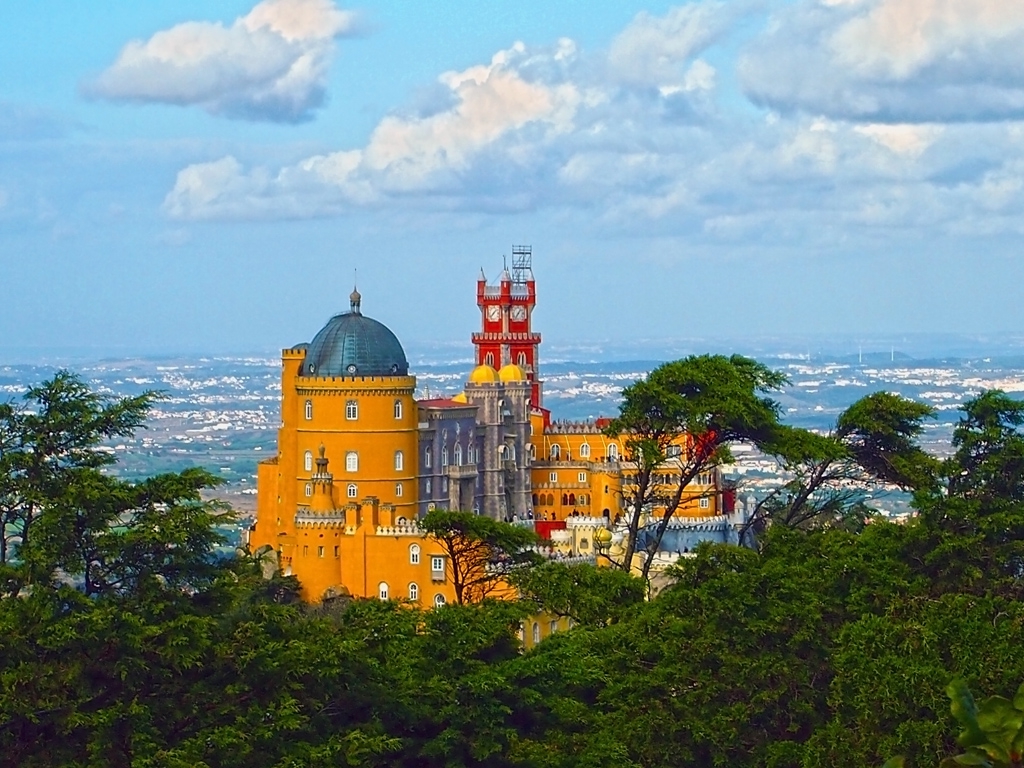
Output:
x=222 y=412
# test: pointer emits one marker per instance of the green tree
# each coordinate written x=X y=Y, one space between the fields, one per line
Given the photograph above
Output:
x=708 y=400
x=480 y=553
x=589 y=595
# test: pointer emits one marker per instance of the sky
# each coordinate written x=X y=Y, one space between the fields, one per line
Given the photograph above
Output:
x=214 y=176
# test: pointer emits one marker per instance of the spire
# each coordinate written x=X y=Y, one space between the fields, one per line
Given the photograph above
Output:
x=355 y=298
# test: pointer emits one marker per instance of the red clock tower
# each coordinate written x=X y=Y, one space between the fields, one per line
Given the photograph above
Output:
x=506 y=311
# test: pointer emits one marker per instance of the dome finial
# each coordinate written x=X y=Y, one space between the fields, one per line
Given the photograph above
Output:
x=355 y=298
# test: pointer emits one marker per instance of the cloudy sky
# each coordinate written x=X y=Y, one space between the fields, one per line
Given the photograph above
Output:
x=209 y=175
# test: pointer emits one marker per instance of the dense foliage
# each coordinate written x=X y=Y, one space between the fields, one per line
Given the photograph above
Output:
x=124 y=642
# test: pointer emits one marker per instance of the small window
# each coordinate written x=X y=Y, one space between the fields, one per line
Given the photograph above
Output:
x=305 y=550
x=552 y=477
x=307 y=461
x=444 y=456
x=555 y=451
x=503 y=453
x=382 y=590
x=553 y=627
x=489 y=360
x=426 y=486
x=439 y=600
x=582 y=477
x=613 y=452
x=458 y=455
x=428 y=456
x=398 y=409
x=536 y=633
x=705 y=502
x=319 y=551
x=414 y=554
x=309 y=489
x=353 y=492
x=398 y=490
x=351 y=410
x=337 y=551
x=351 y=461
x=521 y=360
x=399 y=461
x=414 y=591
x=585 y=451
x=437 y=563
x=309 y=410
x=444 y=485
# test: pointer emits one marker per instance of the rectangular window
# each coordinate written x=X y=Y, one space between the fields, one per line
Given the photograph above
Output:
x=319 y=551
x=437 y=568
x=427 y=486
x=337 y=551
x=553 y=477
x=583 y=477
x=705 y=503
x=305 y=550
x=351 y=410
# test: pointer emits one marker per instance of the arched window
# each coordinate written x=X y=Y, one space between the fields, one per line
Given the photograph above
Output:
x=535 y=499
x=428 y=456
x=536 y=633
x=572 y=499
x=503 y=453
x=398 y=409
x=399 y=461
x=444 y=455
x=309 y=410
x=565 y=500
x=309 y=489
x=489 y=360
x=414 y=554
x=585 y=451
x=353 y=492
x=439 y=600
x=521 y=360
x=458 y=454
x=351 y=461
x=382 y=590
x=351 y=410
x=398 y=490
x=555 y=452
x=307 y=461
x=414 y=591
x=613 y=452
x=511 y=453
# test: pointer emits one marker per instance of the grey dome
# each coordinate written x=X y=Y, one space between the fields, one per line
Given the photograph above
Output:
x=353 y=345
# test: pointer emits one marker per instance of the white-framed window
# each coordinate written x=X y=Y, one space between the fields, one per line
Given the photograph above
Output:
x=555 y=452
x=399 y=461
x=536 y=633
x=426 y=486
x=414 y=591
x=582 y=477
x=309 y=410
x=552 y=477
x=307 y=461
x=613 y=452
x=585 y=451
x=444 y=455
x=398 y=490
x=705 y=502
x=503 y=453
x=414 y=554
x=704 y=478
x=351 y=461
x=521 y=360
x=437 y=563
x=553 y=627
x=428 y=456
x=353 y=491
x=674 y=451
x=398 y=409
x=439 y=600
x=351 y=410
x=458 y=454
x=382 y=590
x=309 y=489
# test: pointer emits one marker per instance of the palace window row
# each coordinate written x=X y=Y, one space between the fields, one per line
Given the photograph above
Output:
x=568 y=500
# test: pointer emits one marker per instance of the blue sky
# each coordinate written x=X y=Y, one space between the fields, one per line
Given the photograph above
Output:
x=207 y=176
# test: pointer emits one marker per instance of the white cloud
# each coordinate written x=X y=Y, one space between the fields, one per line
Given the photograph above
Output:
x=270 y=64
x=893 y=61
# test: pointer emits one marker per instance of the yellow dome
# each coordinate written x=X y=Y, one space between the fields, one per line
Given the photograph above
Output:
x=511 y=372
x=460 y=398
x=483 y=374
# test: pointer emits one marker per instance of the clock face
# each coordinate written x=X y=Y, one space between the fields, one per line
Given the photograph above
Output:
x=493 y=312
x=519 y=313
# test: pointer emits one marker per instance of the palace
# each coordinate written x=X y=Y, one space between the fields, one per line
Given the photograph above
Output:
x=360 y=459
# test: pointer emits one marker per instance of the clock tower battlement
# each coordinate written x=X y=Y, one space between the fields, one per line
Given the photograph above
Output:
x=506 y=311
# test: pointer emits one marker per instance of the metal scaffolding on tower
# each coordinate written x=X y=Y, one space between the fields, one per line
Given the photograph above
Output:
x=522 y=264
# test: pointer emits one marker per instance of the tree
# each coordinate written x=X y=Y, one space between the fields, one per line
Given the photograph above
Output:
x=480 y=552
x=706 y=401
x=588 y=595
x=873 y=444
